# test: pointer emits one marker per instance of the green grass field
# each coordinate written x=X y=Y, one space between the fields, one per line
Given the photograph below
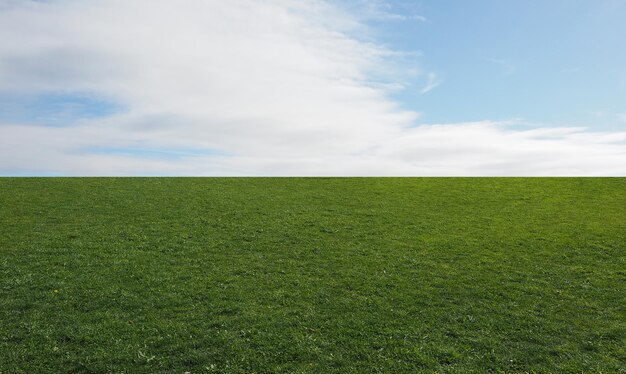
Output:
x=312 y=275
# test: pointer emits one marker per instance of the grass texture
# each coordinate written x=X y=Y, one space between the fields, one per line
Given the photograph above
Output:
x=244 y=275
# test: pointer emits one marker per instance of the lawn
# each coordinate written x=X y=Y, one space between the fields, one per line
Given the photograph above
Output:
x=312 y=275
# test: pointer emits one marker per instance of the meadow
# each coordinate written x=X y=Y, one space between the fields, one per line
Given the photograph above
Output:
x=244 y=275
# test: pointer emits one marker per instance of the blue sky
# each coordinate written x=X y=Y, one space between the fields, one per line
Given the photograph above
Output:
x=561 y=62
x=313 y=87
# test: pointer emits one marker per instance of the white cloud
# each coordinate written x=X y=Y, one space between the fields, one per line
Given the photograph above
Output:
x=273 y=87
x=481 y=148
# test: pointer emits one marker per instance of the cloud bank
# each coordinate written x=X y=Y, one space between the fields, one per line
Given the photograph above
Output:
x=243 y=87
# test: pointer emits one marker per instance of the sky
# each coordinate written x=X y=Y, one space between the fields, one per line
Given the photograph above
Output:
x=313 y=87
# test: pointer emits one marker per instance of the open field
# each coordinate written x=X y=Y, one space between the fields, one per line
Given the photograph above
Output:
x=312 y=275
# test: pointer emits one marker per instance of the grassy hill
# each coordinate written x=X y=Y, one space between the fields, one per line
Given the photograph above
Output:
x=312 y=275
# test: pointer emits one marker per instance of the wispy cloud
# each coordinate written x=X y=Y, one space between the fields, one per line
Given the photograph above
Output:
x=609 y=116
x=381 y=10
x=507 y=66
x=571 y=70
x=399 y=17
x=433 y=81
